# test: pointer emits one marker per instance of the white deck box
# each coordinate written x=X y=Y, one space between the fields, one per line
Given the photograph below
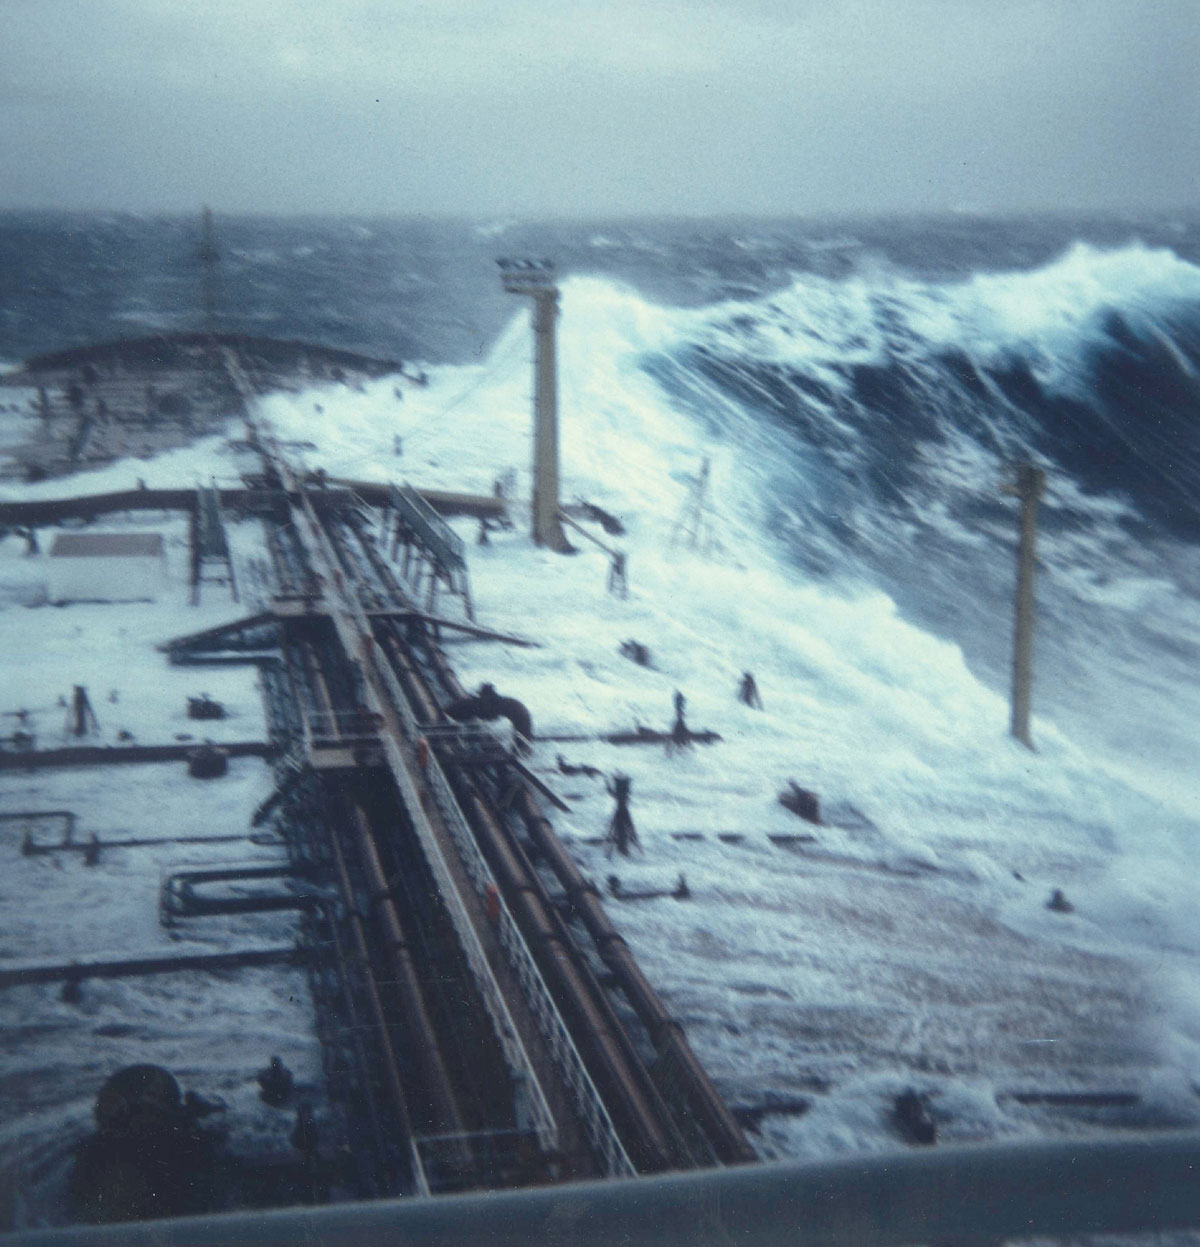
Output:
x=106 y=567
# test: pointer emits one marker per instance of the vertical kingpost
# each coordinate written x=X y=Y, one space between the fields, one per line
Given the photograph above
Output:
x=536 y=278
x=1030 y=485
x=209 y=258
x=546 y=528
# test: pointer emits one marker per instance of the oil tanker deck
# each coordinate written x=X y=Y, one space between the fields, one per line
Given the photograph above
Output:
x=481 y=1023
x=324 y=944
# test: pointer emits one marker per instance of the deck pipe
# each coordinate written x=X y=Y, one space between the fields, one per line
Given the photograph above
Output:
x=725 y=1136
x=437 y=1082
x=657 y=1142
x=381 y=1178
x=403 y=977
x=79 y=971
x=720 y=1127
x=644 y=1122
x=728 y=1142
x=358 y=934
x=406 y=983
x=316 y=681
x=40 y=512
x=103 y=755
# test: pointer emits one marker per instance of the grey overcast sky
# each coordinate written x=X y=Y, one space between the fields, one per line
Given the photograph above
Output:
x=561 y=107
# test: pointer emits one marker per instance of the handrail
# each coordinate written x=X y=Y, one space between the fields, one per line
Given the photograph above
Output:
x=600 y=1129
x=977 y=1193
x=438 y=538
x=351 y=726
x=353 y=625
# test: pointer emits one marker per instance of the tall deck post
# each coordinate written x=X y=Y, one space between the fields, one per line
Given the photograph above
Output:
x=1031 y=483
x=209 y=257
x=537 y=279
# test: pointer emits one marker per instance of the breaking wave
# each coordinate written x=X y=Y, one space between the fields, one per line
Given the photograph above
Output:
x=868 y=426
x=1089 y=364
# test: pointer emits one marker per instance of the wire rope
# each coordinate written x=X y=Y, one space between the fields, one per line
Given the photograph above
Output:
x=496 y=371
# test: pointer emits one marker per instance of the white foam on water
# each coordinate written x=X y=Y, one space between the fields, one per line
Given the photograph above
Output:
x=1052 y=314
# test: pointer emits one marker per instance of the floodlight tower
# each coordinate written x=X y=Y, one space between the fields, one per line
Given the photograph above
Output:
x=536 y=278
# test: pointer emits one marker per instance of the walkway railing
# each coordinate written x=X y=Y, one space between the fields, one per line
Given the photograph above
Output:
x=602 y=1134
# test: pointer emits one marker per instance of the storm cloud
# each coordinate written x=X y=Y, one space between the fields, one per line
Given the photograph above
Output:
x=546 y=107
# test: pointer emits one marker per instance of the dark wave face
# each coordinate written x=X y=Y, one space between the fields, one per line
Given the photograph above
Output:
x=882 y=415
x=878 y=380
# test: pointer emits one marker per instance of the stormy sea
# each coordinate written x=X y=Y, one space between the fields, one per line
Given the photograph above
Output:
x=835 y=411
x=877 y=379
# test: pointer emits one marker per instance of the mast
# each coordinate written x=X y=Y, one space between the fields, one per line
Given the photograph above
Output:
x=536 y=278
x=1030 y=485
x=209 y=258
